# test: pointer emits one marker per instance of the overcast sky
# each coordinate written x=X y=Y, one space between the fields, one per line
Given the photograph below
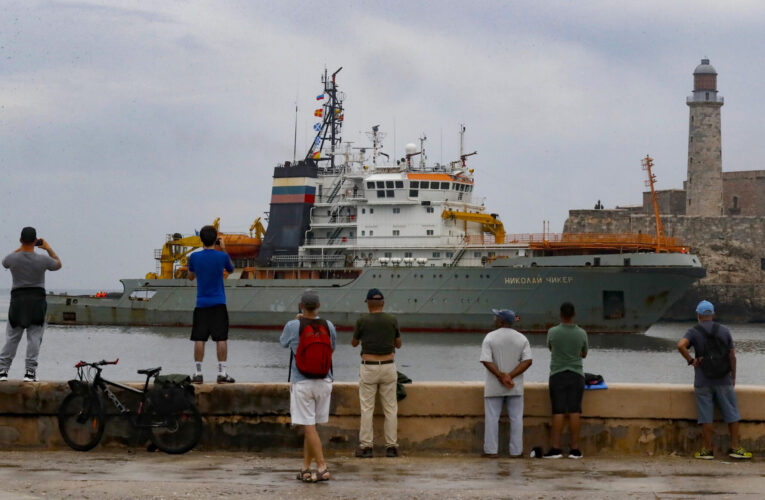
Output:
x=123 y=121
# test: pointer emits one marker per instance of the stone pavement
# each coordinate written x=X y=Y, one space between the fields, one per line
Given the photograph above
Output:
x=135 y=473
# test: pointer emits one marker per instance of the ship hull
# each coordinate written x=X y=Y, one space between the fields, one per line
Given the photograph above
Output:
x=608 y=298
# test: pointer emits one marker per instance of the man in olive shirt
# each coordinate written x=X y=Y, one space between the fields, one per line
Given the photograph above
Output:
x=379 y=337
x=568 y=346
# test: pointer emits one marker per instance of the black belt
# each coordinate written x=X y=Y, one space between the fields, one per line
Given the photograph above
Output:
x=386 y=362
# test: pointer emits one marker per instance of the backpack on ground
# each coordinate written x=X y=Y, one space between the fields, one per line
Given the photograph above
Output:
x=171 y=393
x=715 y=363
x=313 y=356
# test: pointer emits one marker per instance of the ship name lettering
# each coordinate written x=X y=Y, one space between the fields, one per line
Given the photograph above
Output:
x=538 y=280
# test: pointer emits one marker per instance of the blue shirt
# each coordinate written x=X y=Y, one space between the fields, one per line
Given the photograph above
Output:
x=698 y=342
x=291 y=338
x=208 y=265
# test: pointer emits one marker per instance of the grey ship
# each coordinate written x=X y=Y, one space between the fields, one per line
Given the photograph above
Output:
x=344 y=220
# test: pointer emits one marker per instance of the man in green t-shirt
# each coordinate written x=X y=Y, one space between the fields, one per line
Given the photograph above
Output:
x=568 y=346
x=379 y=337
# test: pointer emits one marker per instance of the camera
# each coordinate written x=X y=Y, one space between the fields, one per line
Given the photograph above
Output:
x=39 y=242
x=217 y=242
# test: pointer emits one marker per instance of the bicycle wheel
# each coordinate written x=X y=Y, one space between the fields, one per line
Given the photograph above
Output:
x=178 y=432
x=81 y=420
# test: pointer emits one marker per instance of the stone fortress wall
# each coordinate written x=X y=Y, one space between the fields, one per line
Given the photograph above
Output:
x=719 y=215
x=732 y=249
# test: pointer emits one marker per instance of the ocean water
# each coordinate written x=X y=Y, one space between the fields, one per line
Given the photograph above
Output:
x=256 y=356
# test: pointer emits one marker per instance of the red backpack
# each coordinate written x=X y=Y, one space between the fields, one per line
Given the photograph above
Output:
x=313 y=357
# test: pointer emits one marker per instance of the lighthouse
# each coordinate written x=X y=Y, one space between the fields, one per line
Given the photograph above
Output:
x=704 y=189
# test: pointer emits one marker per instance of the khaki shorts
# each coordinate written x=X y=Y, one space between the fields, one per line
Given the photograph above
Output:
x=309 y=401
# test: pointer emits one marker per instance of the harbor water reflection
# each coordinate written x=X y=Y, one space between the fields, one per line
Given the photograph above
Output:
x=256 y=356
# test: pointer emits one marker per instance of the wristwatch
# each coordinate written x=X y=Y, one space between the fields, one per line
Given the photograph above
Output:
x=690 y=361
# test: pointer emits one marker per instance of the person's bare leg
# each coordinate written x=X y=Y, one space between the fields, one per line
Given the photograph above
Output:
x=312 y=439
x=574 y=425
x=708 y=432
x=733 y=429
x=222 y=348
x=199 y=351
x=307 y=453
x=557 y=430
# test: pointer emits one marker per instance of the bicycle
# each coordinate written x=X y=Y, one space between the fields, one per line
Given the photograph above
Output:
x=174 y=424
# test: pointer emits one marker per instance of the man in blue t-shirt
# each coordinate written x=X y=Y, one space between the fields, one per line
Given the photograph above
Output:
x=210 y=314
x=711 y=392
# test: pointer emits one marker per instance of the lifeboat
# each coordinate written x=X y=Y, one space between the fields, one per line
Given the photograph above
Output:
x=241 y=246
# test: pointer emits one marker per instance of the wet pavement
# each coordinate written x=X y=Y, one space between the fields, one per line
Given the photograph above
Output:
x=122 y=473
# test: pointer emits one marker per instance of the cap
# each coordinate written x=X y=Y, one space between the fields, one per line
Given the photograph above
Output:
x=374 y=294
x=28 y=235
x=705 y=307
x=506 y=315
x=309 y=298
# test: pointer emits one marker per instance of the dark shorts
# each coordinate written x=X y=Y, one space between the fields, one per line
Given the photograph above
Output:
x=210 y=322
x=566 y=391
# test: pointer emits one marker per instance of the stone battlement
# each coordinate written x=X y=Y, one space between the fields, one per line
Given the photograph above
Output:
x=626 y=419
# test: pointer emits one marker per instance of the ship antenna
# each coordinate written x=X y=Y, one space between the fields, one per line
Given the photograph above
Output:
x=294 y=143
x=647 y=163
x=462 y=139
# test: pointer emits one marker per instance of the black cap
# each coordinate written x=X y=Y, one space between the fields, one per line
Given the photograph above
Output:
x=309 y=298
x=374 y=294
x=28 y=235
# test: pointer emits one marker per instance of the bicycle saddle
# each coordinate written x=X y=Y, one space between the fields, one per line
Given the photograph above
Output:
x=150 y=371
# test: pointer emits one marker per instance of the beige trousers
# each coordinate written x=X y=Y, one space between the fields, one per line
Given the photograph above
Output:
x=382 y=379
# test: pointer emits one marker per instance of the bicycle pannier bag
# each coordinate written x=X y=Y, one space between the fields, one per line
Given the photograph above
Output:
x=171 y=393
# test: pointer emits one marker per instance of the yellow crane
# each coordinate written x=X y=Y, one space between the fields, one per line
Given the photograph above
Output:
x=175 y=249
x=260 y=231
x=489 y=222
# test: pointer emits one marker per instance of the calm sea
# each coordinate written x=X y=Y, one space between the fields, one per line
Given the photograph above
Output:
x=255 y=355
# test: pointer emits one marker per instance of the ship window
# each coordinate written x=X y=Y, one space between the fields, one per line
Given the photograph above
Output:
x=449 y=255
x=444 y=185
x=476 y=254
x=414 y=193
x=462 y=187
x=456 y=186
x=351 y=234
x=388 y=254
x=407 y=254
x=389 y=193
x=433 y=185
x=429 y=232
x=363 y=210
x=596 y=261
x=371 y=210
x=424 y=185
x=363 y=233
x=380 y=184
x=627 y=262
x=470 y=188
x=370 y=185
x=371 y=233
x=414 y=184
x=429 y=210
x=613 y=304
x=388 y=184
x=436 y=255
x=396 y=232
x=380 y=193
x=327 y=234
x=396 y=210
x=399 y=184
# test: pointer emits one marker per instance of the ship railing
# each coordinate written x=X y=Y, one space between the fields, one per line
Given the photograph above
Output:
x=314 y=261
x=334 y=242
x=350 y=219
x=618 y=241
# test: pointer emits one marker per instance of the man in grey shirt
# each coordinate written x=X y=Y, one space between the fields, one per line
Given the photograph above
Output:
x=28 y=305
x=506 y=354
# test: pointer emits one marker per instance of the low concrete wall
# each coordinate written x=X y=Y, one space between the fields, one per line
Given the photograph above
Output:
x=435 y=417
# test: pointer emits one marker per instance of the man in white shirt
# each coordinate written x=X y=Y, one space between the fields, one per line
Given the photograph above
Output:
x=506 y=354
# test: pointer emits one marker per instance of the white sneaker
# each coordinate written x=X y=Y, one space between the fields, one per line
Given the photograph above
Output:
x=30 y=376
x=3 y=376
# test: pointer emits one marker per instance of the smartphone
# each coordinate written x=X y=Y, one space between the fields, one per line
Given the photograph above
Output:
x=39 y=242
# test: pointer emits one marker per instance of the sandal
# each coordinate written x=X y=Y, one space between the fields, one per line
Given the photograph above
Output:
x=323 y=475
x=306 y=476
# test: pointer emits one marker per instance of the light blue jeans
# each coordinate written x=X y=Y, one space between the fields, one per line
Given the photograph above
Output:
x=492 y=410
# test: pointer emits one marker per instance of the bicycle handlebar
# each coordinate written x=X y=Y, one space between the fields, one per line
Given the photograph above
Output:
x=97 y=363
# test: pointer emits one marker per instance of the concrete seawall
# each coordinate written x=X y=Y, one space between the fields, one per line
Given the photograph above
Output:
x=626 y=419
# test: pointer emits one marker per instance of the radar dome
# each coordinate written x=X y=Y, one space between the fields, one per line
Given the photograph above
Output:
x=411 y=148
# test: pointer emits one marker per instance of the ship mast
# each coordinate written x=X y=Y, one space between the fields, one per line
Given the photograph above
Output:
x=329 y=129
x=647 y=163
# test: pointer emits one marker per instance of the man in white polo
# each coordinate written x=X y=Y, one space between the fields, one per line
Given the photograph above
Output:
x=506 y=354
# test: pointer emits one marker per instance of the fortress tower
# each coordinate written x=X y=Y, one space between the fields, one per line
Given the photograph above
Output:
x=704 y=188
